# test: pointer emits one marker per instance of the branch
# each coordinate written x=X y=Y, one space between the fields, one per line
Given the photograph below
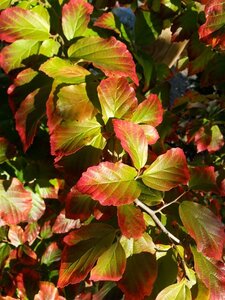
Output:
x=156 y=219
x=168 y=204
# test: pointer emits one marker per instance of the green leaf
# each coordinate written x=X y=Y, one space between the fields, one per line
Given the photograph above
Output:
x=64 y=71
x=49 y=48
x=149 y=196
x=7 y=150
x=131 y=221
x=212 y=274
x=139 y=283
x=133 y=141
x=16 y=202
x=204 y=227
x=75 y=18
x=177 y=291
x=12 y=56
x=167 y=171
x=4 y=253
x=5 y=4
x=110 y=184
x=107 y=21
x=203 y=292
x=110 y=265
x=109 y=55
x=17 y=23
x=117 y=98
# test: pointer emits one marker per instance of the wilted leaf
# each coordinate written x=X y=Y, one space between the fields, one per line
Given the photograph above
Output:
x=167 y=171
x=75 y=18
x=16 y=202
x=131 y=221
x=12 y=56
x=204 y=227
x=110 y=184
x=149 y=111
x=109 y=55
x=138 y=284
x=117 y=98
x=212 y=274
x=133 y=140
x=203 y=179
x=64 y=71
x=175 y=291
x=17 y=23
x=110 y=265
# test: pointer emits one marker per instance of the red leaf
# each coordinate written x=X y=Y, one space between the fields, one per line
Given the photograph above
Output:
x=16 y=235
x=63 y=224
x=107 y=21
x=167 y=171
x=117 y=98
x=203 y=179
x=109 y=55
x=110 y=265
x=32 y=230
x=51 y=254
x=133 y=140
x=212 y=32
x=48 y=291
x=75 y=18
x=110 y=184
x=131 y=221
x=149 y=112
x=139 y=283
x=16 y=202
x=212 y=274
x=204 y=228
x=151 y=134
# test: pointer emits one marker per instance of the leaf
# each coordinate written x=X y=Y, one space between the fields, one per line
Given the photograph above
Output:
x=4 y=253
x=204 y=228
x=133 y=140
x=149 y=112
x=32 y=231
x=177 y=291
x=110 y=265
x=29 y=115
x=16 y=202
x=5 y=4
x=167 y=171
x=63 y=224
x=203 y=179
x=75 y=18
x=151 y=134
x=78 y=260
x=64 y=71
x=51 y=254
x=49 y=48
x=17 y=23
x=212 y=31
x=134 y=246
x=149 y=196
x=12 y=56
x=16 y=235
x=70 y=136
x=109 y=55
x=217 y=140
x=131 y=221
x=138 y=284
x=117 y=98
x=110 y=184
x=37 y=209
x=107 y=21
x=48 y=291
x=7 y=150
x=212 y=274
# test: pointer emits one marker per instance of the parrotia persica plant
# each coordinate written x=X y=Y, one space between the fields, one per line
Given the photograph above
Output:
x=111 y=187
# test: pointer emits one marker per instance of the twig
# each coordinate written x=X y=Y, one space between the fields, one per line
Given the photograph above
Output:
x=156 y=219
x=168 y=204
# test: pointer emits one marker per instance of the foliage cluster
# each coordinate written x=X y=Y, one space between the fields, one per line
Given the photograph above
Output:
x=109 y=188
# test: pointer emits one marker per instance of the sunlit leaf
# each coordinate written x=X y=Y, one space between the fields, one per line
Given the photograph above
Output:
x=217 y=139
x=110 y=265
x=149 y=112
x=51 y=254
x=109 y=55
x=212 y=274
x=63 y=224
x=151 y=134
x=64 y=71
x=16 y=235
x=135 y=246
x=16 y=202
x=5 y=4
x=117 y=98
x=175 y=291
x=133 y=140
x=17 y=23
x=12 y=56
x=75 y=18
x=48 y=291
x=138 y=284
x=107 y=21
x=4 y=253
x=203 y=291
x=203 y=178
x=212 y=31
x=131 y=221
x=167 y=171
x=32 y=231
x=210 y=239
x=37 y=209
x=49 y=48
x=110 y=184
